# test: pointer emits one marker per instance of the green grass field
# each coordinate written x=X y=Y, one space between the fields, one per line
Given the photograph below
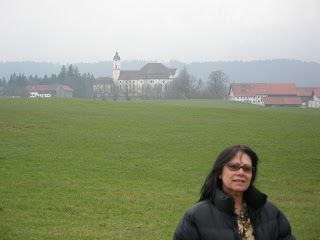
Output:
x=84 y=169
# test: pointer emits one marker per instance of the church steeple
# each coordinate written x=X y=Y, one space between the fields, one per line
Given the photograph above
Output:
x=116 y=57
x=116 y=67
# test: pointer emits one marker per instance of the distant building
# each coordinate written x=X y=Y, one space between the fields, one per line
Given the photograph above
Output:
x=49 y=91
x=265 y=94
x=315 y=103
x=147 y=83
x=309 y=96
x=282 y=102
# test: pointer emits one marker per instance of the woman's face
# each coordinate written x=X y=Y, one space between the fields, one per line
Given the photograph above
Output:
x=236 y=181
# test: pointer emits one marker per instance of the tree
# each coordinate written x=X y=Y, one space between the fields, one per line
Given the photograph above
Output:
x=114 y=91
x=53 y=79
x=185 y=86
x=216 y=84
x=86 y=82
x=16 y=83
x=62 y=75
x=3 y=82
x=45 y=80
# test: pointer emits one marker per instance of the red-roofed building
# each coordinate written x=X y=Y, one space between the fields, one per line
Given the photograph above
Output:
x=309 y=96
x=316 y=93
x=315 y=103
x=49 y=91
x=256 y=92
x=282 y=101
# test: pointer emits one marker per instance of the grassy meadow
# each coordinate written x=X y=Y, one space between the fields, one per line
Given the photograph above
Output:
x=84 y=169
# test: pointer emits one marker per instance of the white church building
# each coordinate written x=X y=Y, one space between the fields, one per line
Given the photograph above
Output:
x=147 y=83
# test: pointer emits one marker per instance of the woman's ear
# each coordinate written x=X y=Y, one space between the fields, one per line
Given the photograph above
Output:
x=220 y=176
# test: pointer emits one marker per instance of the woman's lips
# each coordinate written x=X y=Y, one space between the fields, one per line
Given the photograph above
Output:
x=239 y=180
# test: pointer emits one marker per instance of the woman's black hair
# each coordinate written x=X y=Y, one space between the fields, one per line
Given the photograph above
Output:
x=212 y=182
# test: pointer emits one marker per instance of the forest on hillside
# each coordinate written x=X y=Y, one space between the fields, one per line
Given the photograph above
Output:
x=303 y=74
x=81 y=84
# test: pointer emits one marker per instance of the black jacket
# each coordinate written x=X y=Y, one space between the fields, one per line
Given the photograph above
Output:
x=214 y=220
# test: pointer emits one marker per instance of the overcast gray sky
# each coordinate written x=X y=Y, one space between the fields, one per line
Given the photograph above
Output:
x=187 y=30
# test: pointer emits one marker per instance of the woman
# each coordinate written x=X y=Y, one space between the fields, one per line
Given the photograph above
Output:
x=230 y=207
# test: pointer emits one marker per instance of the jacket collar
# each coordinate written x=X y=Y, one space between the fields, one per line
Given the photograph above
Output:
x=253 y=197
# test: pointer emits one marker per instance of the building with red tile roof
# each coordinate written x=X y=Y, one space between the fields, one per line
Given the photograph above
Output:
x=282 y=101
x=305 y=92
x=309 y=96
x=315 y=103
x=316 y=92
x=253 y=89
x=49 y=91
x=256 y=93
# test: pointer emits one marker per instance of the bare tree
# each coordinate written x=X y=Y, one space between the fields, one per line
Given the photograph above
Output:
x=127 y=92
x=216 y=84
x=185 y=86
x=144 y=92
x=158 y=91
x=114 y=92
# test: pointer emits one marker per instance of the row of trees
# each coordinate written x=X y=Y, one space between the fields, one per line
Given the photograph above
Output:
x=186 y=86
x=81 y=84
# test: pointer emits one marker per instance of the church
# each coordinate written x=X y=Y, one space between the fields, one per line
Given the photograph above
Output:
x=147 y=83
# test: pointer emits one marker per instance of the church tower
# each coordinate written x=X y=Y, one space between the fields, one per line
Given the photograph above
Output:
x=116 y=68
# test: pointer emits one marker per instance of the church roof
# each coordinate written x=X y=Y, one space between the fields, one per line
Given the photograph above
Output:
x=128 y=75
x=149 y=71
x=103 y=80
x=154 y=68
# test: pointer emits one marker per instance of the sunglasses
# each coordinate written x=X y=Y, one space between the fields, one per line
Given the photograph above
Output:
x=235 y=167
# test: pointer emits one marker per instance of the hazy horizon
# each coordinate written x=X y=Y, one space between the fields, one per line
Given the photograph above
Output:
x=84 y=31
x=155 y=60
